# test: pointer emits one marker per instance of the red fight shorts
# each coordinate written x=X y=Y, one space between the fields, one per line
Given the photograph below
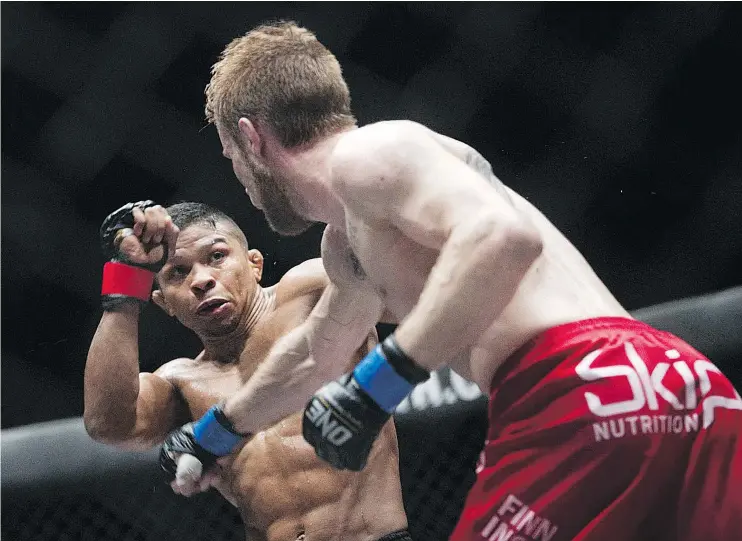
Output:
x=608 y=430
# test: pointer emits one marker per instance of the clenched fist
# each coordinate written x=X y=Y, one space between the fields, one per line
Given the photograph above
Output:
x=137 y=239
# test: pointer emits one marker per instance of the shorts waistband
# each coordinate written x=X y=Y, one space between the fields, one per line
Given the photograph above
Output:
x=555 y=339
x=568 y=330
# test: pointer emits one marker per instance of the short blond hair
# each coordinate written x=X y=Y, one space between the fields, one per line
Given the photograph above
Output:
x=281 y=75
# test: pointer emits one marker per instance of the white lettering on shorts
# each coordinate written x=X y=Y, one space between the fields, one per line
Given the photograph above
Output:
x=649 y=395
x=516 y=521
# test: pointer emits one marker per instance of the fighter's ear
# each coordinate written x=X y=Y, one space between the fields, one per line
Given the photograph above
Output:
x=256 y=259
x=159 y=299
x=250 y=136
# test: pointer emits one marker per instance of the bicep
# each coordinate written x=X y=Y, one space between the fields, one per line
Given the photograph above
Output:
x=342 y=321
x=159 y=410
x=349 y=307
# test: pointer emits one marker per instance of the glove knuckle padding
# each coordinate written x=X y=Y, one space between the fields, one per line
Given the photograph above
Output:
x=120 y=219
x=341 y=423
x=167 y=462
x=181 y=441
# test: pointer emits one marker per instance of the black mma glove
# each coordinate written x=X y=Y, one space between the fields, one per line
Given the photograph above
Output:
x=341 y=422
x=207 y=439
x=344 y=418
x=125 y=280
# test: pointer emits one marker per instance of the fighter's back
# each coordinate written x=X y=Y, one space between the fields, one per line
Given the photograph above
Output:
x=601 y=427
x=559 y=287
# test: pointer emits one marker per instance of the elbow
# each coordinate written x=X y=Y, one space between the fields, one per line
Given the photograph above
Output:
x=523 y=242
x=516 y=240
x=103 y=431
x=96 y=428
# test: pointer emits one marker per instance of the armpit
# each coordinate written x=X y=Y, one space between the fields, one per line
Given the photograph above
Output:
x=341 y=263
x=357 y=267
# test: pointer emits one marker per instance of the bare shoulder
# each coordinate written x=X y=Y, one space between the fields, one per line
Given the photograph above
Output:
x=397 y=164
x=371 y=162
x=376 y=143
x=472 y=158
x=398 y=142
x=306 y=278
x=372 y=156
x=391 y=128
x=174 y=370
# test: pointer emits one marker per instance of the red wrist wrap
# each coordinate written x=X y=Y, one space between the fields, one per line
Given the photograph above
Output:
x=122 y=279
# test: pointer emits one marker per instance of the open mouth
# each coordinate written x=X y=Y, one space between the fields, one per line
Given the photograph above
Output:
x=210 y=307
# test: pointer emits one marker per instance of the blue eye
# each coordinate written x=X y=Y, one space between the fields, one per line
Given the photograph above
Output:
x=217 y=256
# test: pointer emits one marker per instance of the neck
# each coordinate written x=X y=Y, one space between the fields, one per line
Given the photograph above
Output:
x=307 y=171
x=227 y=348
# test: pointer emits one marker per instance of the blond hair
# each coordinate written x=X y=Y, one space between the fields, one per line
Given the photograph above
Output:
x=281 y=75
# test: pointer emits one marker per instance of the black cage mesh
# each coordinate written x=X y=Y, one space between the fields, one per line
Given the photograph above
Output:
x=53 y=490
x=437 y=462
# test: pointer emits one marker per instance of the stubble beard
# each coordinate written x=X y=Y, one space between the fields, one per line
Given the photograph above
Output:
x=277 y=208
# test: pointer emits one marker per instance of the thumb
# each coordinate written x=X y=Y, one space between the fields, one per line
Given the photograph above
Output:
x=189 y=469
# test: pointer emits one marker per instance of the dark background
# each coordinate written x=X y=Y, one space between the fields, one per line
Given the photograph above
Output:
x=620 y=121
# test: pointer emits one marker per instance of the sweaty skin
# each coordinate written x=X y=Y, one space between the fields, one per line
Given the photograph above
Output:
x=282 y=490
x=420 y=232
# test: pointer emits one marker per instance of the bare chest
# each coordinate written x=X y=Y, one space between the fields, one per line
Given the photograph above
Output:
x=207 y=383
x=397 y=266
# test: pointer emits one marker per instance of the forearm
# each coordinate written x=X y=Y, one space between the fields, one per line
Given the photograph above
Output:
x=112 y=375
x=317 y=351
x=477 y=274
x=279 y=387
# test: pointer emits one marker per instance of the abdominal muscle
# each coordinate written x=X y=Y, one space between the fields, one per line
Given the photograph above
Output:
x=284 y=492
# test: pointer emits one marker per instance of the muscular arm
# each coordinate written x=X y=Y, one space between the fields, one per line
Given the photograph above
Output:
x=348 y=310
x=316 y=351
x=122 y=406
x=398 y=173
